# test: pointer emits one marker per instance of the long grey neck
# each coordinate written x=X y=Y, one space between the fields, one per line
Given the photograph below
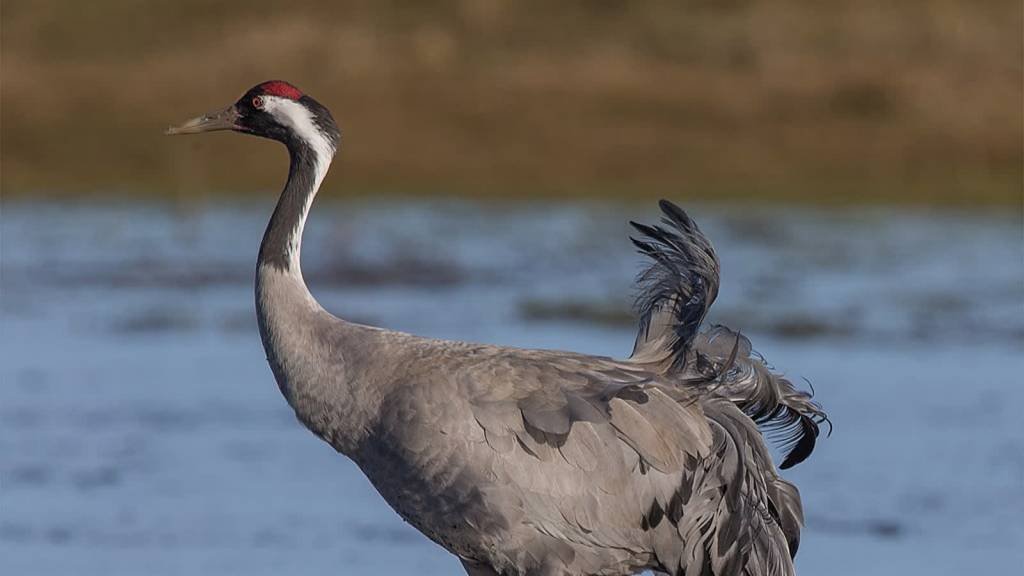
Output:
x=324 y=366
x=292 y=323
x=282 y=241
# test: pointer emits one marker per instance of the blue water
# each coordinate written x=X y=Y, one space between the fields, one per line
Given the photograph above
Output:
x=142 y=433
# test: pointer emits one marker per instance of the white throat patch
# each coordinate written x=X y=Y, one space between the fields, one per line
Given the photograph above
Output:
x=297 y=117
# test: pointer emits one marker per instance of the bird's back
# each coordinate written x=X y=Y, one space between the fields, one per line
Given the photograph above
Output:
x=531 y=461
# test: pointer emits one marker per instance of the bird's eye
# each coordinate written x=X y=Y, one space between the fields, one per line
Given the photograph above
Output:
x=257 y=102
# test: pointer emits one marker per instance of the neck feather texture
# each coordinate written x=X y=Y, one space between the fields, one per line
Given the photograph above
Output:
x=282 y=241
x=317 y=359
x=287 y=313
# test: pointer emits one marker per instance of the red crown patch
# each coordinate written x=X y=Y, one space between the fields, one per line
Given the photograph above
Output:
x=282 y=89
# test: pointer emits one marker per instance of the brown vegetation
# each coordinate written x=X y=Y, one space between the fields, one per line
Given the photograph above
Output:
x=917 y=100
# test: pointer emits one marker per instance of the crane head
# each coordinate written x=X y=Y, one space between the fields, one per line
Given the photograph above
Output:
x=274 y=109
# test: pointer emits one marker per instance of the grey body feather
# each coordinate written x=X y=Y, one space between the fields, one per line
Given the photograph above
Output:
x=536 y=462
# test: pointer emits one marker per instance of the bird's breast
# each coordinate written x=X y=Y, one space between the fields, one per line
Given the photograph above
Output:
x=430 y=482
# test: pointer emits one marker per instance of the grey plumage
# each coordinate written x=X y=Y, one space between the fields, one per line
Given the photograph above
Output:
x=545 y=462
x=539 y=462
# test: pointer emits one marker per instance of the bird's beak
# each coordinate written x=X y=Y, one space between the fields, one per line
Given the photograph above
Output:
x=226 y=119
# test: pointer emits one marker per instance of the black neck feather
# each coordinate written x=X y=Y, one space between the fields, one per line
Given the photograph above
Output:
x=285 y=228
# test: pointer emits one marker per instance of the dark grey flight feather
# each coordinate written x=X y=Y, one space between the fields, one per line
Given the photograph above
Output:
x=677 y=289
x=675 y=293
x=790 y=418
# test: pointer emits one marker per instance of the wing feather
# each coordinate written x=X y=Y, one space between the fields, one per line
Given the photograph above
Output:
x=675 y=293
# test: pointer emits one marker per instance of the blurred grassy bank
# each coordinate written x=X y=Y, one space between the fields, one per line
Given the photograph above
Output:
x=917 y=101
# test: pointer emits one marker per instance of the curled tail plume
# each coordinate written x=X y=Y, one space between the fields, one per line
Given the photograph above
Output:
x=677 y=289
x=675 y=293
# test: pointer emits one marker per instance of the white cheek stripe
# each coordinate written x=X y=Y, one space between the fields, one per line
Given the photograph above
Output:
x=300 y=120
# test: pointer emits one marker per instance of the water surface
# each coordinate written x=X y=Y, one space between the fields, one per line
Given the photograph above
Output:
x=141 y=431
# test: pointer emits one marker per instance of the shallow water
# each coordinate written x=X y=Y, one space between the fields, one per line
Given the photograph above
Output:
x=142 y=433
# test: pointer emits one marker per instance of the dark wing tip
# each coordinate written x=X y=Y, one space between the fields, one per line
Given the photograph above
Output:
x=804 y=445
x=672 y=209
x=646 y=230
x=676 y=215
x=669 y=207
